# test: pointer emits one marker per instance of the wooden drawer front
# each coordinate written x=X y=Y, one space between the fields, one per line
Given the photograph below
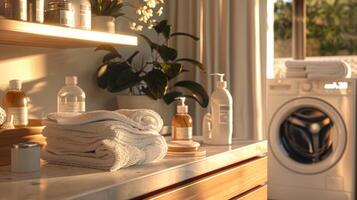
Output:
x=222 y=185
x=260 y=193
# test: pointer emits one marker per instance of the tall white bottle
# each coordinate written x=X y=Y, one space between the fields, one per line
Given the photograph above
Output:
x=217 y=126
x=71 y=98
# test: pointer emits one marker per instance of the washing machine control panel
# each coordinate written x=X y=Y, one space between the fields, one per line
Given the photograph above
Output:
x=335 y=87
x=307 y=87
x=318 y=87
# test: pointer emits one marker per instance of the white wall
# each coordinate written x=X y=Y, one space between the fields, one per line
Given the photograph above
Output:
x=42 y=71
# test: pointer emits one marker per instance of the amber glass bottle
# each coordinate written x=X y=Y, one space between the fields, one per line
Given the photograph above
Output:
x=15 y=103
x=182 y=122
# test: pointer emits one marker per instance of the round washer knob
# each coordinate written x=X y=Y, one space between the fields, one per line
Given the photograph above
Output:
x=307 y=87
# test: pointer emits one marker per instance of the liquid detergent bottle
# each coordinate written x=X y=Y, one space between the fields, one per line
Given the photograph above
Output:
x=217 y=126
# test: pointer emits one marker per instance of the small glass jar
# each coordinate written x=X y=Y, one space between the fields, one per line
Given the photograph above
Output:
x=60 y=12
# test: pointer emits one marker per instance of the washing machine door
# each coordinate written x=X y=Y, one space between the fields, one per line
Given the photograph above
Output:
x=307 y=135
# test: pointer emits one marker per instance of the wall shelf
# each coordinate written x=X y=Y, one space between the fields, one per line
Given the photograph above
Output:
x=14 y=32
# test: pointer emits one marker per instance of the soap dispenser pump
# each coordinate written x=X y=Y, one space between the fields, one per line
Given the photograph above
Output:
x=217 y=127
x=182 y=122
x=181 y=143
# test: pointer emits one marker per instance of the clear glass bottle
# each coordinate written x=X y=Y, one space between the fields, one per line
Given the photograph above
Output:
x=71 y=98
x=15 y=103
x=182 y=122
x=60 y=12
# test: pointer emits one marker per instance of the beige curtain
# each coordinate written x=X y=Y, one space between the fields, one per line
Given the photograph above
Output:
x=229 y=32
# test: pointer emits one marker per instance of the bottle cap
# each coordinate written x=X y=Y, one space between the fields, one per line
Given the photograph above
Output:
x=71 y=80
x=15 y=85
x=221 y=82
x=181 y=107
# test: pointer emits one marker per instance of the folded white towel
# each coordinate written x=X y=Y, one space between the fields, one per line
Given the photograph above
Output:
x=319 y=69
x=103 y=154
x=295 y=74
x=113 y=139
x=144 y=119
x=295 y=64
x=153 y=146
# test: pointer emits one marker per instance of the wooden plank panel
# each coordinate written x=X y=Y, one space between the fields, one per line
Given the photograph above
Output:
x=223 y=185
x=260 y=193
x=14 y=32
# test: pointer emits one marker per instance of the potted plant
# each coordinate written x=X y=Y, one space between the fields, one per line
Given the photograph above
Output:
x=153 y=84
x=104 y=13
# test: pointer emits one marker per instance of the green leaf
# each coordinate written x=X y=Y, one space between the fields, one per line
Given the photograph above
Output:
x=102 y=76
x=198 y=92
x=163 y=28
x=160 y=26
x=107 y=8
x=110 y=48
x=157 y=83
x=105 y=5
x=166 y=32
x=126 y=79
x=95 y=7
x=116 y=13
x=167 y=53
x=192 y=61
x=116 y=77
x=171 y=97
x=109 y=56
x=171 y=70
x=185 y=34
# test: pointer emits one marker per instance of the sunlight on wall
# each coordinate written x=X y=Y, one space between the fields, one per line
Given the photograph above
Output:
x=18 y=68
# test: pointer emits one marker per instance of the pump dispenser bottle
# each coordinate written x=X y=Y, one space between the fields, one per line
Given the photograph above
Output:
x=217 y=128
x=182 y=122
x=181 y=143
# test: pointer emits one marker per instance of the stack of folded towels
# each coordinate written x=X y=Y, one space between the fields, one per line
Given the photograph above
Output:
x=317 y=69
x=107 y=140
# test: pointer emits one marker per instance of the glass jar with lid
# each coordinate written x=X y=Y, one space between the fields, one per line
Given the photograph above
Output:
x=60 y=12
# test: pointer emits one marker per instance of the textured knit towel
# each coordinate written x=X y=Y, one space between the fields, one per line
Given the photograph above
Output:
x=106 y=140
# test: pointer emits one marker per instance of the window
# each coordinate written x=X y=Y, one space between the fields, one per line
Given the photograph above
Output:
x=331 y=30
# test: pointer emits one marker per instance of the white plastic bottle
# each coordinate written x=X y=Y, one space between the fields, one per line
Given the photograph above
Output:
x=71 y=98
x=218 y=127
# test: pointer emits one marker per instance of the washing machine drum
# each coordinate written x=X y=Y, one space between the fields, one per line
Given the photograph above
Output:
x=306 y=135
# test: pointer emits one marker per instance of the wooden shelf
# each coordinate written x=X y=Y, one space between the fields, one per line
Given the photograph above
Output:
x=14 y=32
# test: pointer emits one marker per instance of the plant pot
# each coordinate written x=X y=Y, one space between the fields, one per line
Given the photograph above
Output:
x=136 y=102
x=103 y=24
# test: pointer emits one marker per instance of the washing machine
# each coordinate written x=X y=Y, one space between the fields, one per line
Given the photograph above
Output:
x=311 y=131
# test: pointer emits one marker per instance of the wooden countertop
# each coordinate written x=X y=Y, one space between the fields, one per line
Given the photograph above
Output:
x=65 y=182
